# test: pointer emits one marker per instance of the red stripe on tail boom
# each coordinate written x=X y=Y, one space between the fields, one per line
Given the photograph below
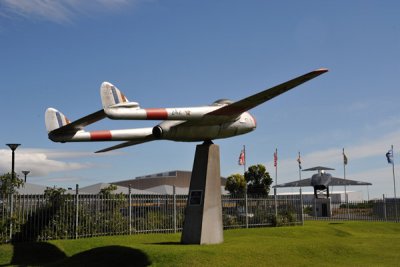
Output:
x=156 y=113
x=100 y=136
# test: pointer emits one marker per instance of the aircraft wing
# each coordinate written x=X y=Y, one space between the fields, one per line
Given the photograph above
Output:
x=334 y=182
x=250 y=102
x=116 y=105
x=299 y=183
x=341 y=181
x=232 y=111
x=126 y=144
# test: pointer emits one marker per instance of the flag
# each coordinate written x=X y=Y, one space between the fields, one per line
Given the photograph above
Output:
x=299 y=161
x=344 y=158
x=242 y=158
x=276 y=158
x=389 y=156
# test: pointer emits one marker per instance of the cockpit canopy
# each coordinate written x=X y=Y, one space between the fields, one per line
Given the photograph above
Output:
x=321 y=179
x=222 y=102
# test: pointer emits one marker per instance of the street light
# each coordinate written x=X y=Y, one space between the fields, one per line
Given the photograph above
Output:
x=13 y=148
x=25 y=173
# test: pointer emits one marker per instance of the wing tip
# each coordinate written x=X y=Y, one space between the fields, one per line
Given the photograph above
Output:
x=322 y=70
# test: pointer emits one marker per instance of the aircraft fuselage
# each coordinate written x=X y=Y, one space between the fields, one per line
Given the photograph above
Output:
x=167 y=130
x=178 y=131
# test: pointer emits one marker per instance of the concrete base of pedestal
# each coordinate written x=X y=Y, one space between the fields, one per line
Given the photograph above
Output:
x=203 y=214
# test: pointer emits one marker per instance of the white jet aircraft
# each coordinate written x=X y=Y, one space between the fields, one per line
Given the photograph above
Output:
x=222 y=119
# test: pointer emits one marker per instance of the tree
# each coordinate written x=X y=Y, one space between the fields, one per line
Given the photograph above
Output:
x=108 y=191
x=9 y=184
x=55 y=195
x=47 y=219
x=258 y=180
x=236 y=184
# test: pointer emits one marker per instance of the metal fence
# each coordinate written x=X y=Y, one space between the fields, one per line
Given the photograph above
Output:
x=373 y=210
x=43 y=217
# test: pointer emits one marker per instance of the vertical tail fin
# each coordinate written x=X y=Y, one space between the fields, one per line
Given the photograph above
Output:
x=55 y=119
x=110 y=95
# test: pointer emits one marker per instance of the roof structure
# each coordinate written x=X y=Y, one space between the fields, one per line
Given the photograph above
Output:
x=31 y=189
x=171 y=178
x=95 y=189
x=169 y=190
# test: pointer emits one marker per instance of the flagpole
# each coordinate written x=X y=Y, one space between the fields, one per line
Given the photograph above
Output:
x=299 y=161
x=301 y=191
x=345 y=187
x=276 y=166
x=394 y=184
x=276 y=182
x=244 y=165
x=344 y=176
x=246 y=206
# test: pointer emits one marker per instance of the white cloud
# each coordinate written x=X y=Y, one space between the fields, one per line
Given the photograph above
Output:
x=63 y=180
x=54 y=154
x=60 y=11
x=41 y=162
x=381 y=179
x=365 y=149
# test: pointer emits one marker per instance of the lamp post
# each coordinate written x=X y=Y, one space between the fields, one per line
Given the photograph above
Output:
x=13 y=147
x=25 y=173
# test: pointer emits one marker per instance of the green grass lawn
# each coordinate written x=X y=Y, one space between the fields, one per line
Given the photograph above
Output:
x=315 y=244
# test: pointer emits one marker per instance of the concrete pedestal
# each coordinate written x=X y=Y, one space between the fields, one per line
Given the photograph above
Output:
x=322 y=207
x=203 y=214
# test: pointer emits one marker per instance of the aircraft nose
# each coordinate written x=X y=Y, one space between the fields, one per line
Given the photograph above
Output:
x=254 y=122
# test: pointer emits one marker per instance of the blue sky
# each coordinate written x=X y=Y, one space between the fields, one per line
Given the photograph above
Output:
x=190 y=53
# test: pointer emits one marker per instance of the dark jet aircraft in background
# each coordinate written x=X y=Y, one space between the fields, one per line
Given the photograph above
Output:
x=321 y=182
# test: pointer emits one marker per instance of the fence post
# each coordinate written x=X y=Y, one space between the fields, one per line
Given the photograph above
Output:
x=246 y=207
x=130 y=209
x=301 y=207
x=174 y=200
x=347 y=206
x=384 y=208
x=76 y=210
x=315 y=208
x=11 y=214
x=276 y=205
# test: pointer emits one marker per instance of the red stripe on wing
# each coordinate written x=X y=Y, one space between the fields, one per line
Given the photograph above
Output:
x=100 y=136
x=156 y=113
